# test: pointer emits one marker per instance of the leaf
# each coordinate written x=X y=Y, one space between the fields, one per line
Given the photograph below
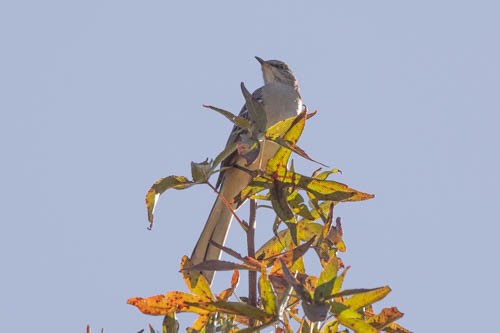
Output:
x=326 y=189
x=289 y=257
x=353 y=320
x=334 y=235
x=274 y=246
x=248 y=147
x=257 y=328
x=326 y=280
x=299 y=289
x=202 y=171
x=277 y=164
x=296 y=202
x=225 y=294
x=315 y=311
x=280 y=128
x=361 y=300
x=237 y=120
x=195 y=281
x=331 y=327
x=386 y=317
x=217 y=265
x=160 y=186
x=172 y=302
x=256 y=112
x=236 y=308
x=231 y=148
x=279 y=194
x=296 y=149
x=324 y=175
x=170 y=324
x=267 y=294
x=201 y=322
x=337 y=285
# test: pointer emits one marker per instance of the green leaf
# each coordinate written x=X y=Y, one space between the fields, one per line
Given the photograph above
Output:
x=331 y=190
x=278 y=195
x=170 y=324
x=160 y=186
x=230 y=149
x=237 y=120
x=294 y=148
x=202 y=171
x=326 y=280
x=296 y=202
x=324 y=175
x=256 y=112
x=337 y=285
x=237 y=308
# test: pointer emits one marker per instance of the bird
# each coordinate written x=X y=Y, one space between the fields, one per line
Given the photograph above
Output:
x=280 y=99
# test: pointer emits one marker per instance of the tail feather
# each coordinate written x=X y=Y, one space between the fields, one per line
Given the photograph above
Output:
x=216 y=230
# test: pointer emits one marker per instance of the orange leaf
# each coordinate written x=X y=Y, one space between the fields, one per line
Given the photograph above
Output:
x=225 y=294
x=172 y=302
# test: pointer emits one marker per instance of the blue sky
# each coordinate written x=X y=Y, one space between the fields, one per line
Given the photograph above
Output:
x=101 y=98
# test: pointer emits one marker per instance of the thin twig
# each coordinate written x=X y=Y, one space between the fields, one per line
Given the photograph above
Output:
x=242 y=223
x=252 y=275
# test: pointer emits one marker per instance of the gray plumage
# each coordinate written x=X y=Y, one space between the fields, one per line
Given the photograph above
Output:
x=280 y=98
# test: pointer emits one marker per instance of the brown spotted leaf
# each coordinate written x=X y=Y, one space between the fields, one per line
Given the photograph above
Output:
x=172 y=302
x=386 y=317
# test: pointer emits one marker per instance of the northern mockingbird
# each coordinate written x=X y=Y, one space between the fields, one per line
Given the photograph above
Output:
x=280 y=99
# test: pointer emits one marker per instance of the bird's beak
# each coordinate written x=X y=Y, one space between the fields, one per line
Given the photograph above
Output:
x=260 y=60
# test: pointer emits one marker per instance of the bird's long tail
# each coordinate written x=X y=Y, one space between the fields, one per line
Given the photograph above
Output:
x=216 y=229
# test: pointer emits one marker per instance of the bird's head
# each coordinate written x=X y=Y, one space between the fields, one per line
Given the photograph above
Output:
x=277 y=71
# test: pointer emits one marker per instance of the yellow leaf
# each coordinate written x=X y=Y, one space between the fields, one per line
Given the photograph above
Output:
x=353 y=320
x=200 y=322
x=305 y=231
x=267 y=294
x=277 y=165
x=195 y=281
x=358 y=301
